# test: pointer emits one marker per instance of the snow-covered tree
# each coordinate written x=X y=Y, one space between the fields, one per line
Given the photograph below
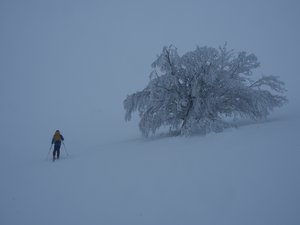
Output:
x=196 y=91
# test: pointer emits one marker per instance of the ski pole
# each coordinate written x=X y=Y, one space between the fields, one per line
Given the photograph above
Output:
x=65 y=149
x=49 y=151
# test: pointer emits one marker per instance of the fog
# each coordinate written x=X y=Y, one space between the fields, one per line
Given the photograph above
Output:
x=68 y=65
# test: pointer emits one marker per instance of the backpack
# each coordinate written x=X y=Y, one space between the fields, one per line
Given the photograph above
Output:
x=57 y=137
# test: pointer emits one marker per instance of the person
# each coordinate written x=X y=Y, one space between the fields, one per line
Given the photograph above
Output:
x=56 y=140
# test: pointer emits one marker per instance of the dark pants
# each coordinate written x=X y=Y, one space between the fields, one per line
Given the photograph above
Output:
x=56 y=150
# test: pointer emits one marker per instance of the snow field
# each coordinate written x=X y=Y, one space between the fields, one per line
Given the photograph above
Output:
x=248 y=175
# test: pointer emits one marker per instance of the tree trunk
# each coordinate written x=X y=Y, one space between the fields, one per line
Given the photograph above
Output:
x=190 y=106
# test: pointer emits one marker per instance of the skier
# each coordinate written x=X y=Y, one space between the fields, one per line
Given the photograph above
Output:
x=56 y=140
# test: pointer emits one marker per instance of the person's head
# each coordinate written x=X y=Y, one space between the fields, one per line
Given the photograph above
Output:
x=57 y=131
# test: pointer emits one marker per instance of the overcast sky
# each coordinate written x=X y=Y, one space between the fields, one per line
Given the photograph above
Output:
x=69 y=64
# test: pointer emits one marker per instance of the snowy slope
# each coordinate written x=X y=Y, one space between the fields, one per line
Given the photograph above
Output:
x=69 y=65
x=246 y=175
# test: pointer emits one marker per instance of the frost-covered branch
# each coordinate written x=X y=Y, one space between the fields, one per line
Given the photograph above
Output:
x=272 y=82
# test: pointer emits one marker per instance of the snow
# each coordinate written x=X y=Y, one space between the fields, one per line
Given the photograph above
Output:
x=246 y=175
x=69 y=65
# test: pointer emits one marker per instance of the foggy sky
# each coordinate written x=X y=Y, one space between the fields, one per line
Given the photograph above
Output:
x=69 y=64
